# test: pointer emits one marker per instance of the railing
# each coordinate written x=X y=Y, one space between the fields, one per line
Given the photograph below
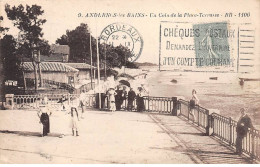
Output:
x=26 y=101
x=31 y=82
x=201 y=115
x=90 y=101
x=33 y=101
x=225 y=129
x=59 y=84
x=222 y=127
x=162 y=105
x=86 y=88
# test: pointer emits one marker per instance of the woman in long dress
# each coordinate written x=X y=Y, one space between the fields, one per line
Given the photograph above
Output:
x=111 y=99
x=74 y=121
x=44 y=114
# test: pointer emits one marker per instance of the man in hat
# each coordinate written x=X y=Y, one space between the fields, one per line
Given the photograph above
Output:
x=119 y=98
x=131 y=98
x=243 y=124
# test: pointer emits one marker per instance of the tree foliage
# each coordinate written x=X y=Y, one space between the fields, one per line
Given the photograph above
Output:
x=28 y=20
x=79 y=43
x=63 y=40
x=11 y=61
x=2 y=29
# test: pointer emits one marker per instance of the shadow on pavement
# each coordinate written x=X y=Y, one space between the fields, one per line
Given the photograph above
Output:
x=29 y=134
x=189 y=133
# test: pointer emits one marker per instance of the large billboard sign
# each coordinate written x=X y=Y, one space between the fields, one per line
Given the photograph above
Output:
x=199 y=47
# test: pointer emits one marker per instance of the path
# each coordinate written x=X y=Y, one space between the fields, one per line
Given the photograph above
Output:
x=105 y=138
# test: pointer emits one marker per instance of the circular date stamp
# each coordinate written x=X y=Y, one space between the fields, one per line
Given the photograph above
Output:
x=123 y=34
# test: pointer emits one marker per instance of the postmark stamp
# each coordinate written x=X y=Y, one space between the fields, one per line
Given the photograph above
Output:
x=208 y=47
x=123 y=34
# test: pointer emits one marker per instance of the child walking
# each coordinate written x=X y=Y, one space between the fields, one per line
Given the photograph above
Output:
x=74 y=121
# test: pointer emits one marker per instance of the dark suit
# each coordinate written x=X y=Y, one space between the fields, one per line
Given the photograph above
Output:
x=131 y=98
x=242 y=127
x=119 y=99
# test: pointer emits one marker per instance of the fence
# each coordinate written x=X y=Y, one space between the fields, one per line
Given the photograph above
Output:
x=162 y=105
x=225 y=129
x=55 y=100
x=200 y=115
x=87 y=87
x=222 y=127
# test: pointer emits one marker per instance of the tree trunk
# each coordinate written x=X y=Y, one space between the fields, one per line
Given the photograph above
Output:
x=35 y=72
x=40 y=69
x=24 y=82
x=40 y=74
x=35 y=76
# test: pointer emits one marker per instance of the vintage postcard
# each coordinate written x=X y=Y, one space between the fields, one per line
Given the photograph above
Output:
x=129 y=82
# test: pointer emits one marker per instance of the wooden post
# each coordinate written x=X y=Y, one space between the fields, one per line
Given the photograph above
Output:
x=24 y=81
x=174 y=108
x=91 y=70
x=189 y=111
x=99 y=94
x=148 y=103
x=39 y=67
x=230 y=131
x=253 y=155
x=198 y=115
x=208 y=124
x=105 y=62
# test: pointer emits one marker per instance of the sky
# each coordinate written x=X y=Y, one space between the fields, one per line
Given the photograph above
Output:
x=63 y=15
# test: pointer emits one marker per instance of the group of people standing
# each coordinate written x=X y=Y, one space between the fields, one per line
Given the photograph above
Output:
x=116 y=98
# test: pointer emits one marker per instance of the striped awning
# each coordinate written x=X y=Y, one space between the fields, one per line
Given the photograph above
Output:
x=50 y=67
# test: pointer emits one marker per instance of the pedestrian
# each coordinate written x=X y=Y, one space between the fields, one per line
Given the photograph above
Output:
x=82 y=97
x=74 y=121
x=243 y=124
x=131 y=98
x=111 y=99
x=124 y=97
x=62 y=100
x=140 y=100
x=118 y=98
x=44 y=114
x=193 y=102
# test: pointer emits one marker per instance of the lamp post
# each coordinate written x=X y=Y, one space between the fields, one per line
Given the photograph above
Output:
x=105 y=61
x=91 y=64
x=99 y=94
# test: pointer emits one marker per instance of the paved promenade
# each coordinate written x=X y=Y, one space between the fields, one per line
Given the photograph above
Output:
x=105 y=138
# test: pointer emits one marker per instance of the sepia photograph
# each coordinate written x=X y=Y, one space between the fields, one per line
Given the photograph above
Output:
x=129 y=82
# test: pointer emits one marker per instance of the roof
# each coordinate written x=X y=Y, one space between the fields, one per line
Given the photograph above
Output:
x=52 y=58
x=81 y=66
x=60 y=49
x=57 y=54
x=50 y=67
